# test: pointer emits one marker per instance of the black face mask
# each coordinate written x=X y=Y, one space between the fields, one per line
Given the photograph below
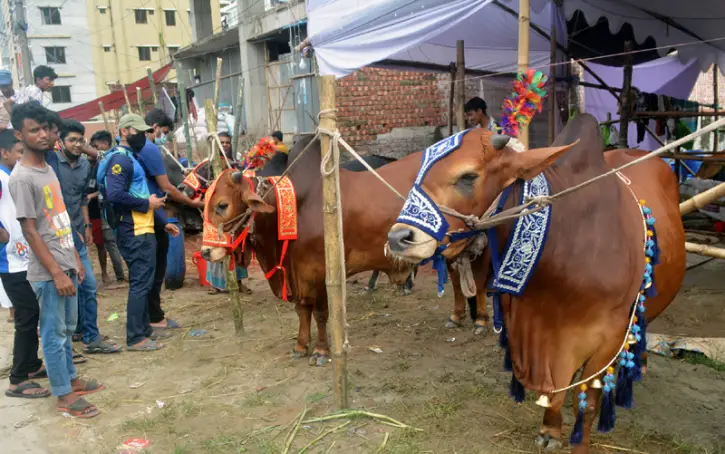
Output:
x=136 y=141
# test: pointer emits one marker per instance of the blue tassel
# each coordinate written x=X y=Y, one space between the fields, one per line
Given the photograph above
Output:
x=503 y=338
x=656 y=255
x=517 y=390
x=439 y=264
x=577 y=434
x=623 y=397
x=507 y=364
x=607 y=413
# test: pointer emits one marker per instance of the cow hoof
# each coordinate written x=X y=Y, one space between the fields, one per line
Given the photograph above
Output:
x=548 y=443
x=319 y=360
x=480 y=330
x=450 y=324
x=405 y=292
x=367 y=290
x=299 y=355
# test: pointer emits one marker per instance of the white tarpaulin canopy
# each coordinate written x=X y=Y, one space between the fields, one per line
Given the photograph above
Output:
x=350 y=34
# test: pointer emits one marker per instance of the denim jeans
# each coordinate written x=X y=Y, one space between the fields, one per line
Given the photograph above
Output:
x=139 y=252
x=58 y=318
x=87 y=299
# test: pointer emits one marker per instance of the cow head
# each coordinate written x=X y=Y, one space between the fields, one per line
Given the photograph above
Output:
x=465 y=172
x=228 y=198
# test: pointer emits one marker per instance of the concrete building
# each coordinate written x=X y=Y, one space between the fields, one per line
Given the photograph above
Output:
x=96 y=43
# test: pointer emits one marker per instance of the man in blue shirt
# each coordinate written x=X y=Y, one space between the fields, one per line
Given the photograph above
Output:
x=122 y=180
x=152 y=161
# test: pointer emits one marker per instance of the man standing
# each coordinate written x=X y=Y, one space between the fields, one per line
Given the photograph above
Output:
x=6 y=92
x=103 y=235
x=74 y=175
x=123 y=183
x=152 y=162
x=54 y=268
x=13 y=272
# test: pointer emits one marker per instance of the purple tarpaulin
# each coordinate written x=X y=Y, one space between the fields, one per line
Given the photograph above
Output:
x=664 y=76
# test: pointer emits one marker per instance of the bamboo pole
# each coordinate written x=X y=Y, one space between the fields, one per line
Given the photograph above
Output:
x=216 y=163
x=125 y=96
x=552 y=77
x=626 y=97
x=152 y=85
x=715 y=100
x=185 y=118
x=334 y=262
x=106 y=121
x=461 y=84
x=238 y=106
x=217 y=84
x=702 y=199
x=523 y=57
x=702 y=249
x=139 y=102
x=451 y=99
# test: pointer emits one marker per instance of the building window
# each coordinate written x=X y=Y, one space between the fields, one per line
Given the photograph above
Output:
x=102 y=9
x=107 y=48
x=154 y=48
x=55 y=55
x=141 y=16
x=144 y=53
x=61 y=94
x=51 y=15
x=173 y=50
x=170 y=18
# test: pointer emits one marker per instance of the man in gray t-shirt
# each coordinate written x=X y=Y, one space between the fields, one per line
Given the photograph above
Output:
x=54 y=269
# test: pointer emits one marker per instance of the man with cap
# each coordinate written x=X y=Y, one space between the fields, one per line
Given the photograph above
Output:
x=130 y=208
x=6 y=92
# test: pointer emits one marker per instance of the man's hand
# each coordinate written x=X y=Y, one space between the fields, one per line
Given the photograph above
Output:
x=4 y=236
x=64 y=284
x=89 y=236
x=198 y=204
x=172 y=229
x=156 y=202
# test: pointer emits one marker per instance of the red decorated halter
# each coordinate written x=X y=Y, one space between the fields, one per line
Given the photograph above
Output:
x=193 y=182
x=215 y=237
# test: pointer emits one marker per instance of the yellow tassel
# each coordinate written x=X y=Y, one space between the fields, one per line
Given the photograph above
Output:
x=642 y=202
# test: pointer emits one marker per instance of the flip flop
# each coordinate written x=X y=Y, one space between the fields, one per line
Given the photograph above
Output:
x=148 y=346
x=18 y=391
x=159 y=333
x=80 y=409
x=91 y=387
x=41 y=374
x=78 y=358
x=101 y=346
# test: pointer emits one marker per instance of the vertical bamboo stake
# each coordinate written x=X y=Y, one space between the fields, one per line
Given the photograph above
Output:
x=216 y=162
x=461 y=83
x=139 y=102
x=152 y=85
x=238 y=106
x=334 y=263
x=552 y=78
x=106 y=122
x=217 y=84
x=451 y=98
x=626 y=100
x=125 y=95
x=523 y=58
x=185 y=117
x=715 y=101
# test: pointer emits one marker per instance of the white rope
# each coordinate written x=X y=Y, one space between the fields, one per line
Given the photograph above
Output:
x=183 y=169
x=215 y=135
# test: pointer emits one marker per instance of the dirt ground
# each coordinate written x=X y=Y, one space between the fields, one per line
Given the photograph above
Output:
x=222 y=393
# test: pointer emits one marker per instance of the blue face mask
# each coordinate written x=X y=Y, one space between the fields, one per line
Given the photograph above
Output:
x=160 y=141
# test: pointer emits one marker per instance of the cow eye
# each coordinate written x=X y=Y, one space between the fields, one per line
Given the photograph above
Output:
x=222 y=207
x=467 y=179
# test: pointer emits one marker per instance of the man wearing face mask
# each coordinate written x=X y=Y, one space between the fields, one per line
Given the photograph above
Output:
x=151 y=159
x=136 y=211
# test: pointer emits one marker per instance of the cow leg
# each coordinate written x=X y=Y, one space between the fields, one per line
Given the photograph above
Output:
x=480 y=325
x=455 y=320
x=321 y=354
x=373 y=282
x=549 y=438
x=304 y=313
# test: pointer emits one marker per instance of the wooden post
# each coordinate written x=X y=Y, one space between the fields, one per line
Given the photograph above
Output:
x=238 y=106
x=217 y=84
x=334 y=247
x=184 y=117
x=139 y=102
x=152 y=85
x=702 y=199
x=125 y=95
x=461 y=84
x=715 y=101
x=216 y=163
x=702 y=249
x=626 y=100
x=106 y=122
x=523 y=60
x=451 y=98
x=552 y=92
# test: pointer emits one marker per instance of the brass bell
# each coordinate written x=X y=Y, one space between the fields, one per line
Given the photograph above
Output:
x=596 y=384
x=631 y=339
x=543 y=401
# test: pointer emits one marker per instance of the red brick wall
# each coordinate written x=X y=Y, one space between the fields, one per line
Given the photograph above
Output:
x=373 y=101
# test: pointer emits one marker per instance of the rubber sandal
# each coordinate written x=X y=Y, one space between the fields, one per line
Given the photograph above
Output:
x=148 y=346
x=42 y=374
x=159 y=333
x=91 y=387
x=101 y=346
x=80 y=409
x=172 y=324
x=78 y=358
x=18 y=391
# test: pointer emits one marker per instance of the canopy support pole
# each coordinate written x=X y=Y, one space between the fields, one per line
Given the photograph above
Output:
x=461 y=83
x=715 y=100
x=552 y=77
x=523 y=58
x=702 y=249
x=451 y=98
x=625 y=106
x=184 y=118
x=332 y=221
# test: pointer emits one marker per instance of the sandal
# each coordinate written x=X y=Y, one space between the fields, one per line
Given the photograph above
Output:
x=42 y=373
x=19 y=391
x=159 y=333
x=170 y=324
x=80 y=409
x=90 y=387
x=100 y=346
x=145 y=346
x=216 y=291
x=78 y=358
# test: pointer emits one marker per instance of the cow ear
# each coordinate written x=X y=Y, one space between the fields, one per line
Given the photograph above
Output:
x=255 y=202
x=532 y=162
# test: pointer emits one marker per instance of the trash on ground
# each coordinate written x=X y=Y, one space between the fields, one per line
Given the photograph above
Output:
x=375 y=349
x=197 y=332
x=133 y=445
x=112 y=317
x=136 y=385
x=451 y=339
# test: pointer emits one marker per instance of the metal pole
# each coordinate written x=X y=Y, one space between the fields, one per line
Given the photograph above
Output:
x=461 y=85
x=523 y=60
x=334 y=262
x=20 y=28
x=626 y=96
x=184 y=117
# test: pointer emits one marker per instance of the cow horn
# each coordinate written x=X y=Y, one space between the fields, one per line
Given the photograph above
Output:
x=237 y=176
x=499 y=141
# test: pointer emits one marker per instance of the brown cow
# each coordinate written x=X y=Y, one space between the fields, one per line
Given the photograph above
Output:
x=576 y=308
x=369 y=209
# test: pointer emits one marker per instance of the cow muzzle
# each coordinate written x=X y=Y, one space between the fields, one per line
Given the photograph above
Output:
x=410 y=244
x=213 y=254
